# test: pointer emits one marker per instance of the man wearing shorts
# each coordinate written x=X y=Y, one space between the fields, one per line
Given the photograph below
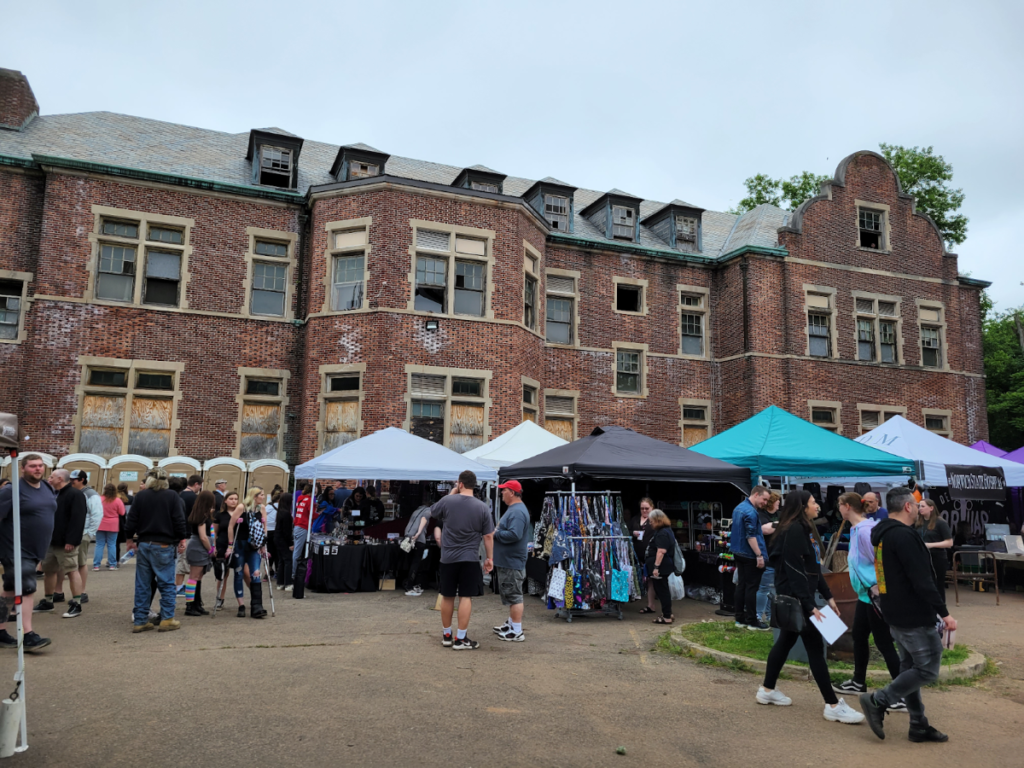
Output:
x=68 y=529
x=465 y=522
x=38 y=506
x=510 y=540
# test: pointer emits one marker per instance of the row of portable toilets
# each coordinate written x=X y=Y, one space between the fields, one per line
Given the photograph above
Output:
x=130 y=469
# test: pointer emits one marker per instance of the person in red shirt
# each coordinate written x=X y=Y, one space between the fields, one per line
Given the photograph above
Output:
x=301 y=523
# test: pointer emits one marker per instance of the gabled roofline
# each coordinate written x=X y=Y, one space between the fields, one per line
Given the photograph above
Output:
x=612 y=195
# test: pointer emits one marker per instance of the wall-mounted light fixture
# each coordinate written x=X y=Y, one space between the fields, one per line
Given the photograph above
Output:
x=432 y=325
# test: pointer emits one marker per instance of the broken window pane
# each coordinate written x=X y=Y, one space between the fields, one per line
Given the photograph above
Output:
x=530 y=304
x=628 y=298
x=870 y=229
x=262 y=387
x=865 y=340
x=431 y=285
x=265 y=248
x=469 y=288
x=623 y=223
x=627 y=372
x=556 y=211
x=120 y=229
x=163 y=235
x=887 y=341
x=930 y=347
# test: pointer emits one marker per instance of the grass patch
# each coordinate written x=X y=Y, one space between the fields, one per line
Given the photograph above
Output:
x=724 y=636
x=666 y=644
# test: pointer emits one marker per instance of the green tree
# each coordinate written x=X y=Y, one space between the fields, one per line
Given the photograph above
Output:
x=1003 y=348
x=921 y=172
x=926 y=176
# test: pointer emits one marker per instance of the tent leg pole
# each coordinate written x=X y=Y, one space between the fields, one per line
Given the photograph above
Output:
x=19 y=676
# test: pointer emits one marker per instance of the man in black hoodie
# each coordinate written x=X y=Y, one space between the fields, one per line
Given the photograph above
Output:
x=911 y=605
x=68 y=529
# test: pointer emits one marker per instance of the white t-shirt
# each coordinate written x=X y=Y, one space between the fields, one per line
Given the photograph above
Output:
x=271 y=510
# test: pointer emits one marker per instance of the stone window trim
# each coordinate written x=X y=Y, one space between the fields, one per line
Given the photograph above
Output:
x=526 y=381
x=940 y=306
x=641 y=284
x=574 y=395
x=449 y=374
x=131 y=367
x=333 y=228
x=282 y=399
x=689 y=402
x=831 y=293
x=705 y=293
x=886 y=225
x=532 y=266
x=629 y=346
x=898 y=319
x=24 y=278
x=938 y=413
x=546 y=291
x=325 y=372
x=487 y=235
x=833 y=405
x=881 y=409
x=97 y=239
x=289 y=239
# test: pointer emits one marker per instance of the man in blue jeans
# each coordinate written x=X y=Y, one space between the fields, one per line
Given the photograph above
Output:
x=768 y=517
x=912 y=605
x=157 y=520
x=749 y=554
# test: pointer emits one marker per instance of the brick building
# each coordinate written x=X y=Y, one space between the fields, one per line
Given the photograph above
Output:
x=168 y=290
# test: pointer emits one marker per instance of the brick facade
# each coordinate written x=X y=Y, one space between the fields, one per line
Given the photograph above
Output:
x=756 y=320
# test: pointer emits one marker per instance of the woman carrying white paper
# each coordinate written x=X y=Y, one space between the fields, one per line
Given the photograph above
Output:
x=795 y=557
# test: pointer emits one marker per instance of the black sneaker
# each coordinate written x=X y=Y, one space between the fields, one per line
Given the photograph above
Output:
x=512 y=637
x=849 y=687
x=241 y=611
x=919 y=735
x=6 y=641
x=74 y=610
x=873 y=713
x=58 y=597
x=465 y=644
x=899 y=706
x=33 y=642
x=446 y=639
x=191 y=610
x=84 y=598
x=43 y=606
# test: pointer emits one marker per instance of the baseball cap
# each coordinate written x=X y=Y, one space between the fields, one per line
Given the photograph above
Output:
x=79 y=474
x=221 y=482
x=512 y=485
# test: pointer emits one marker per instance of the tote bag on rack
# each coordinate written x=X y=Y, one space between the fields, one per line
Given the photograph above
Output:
x=556 y=590
x=620 y=586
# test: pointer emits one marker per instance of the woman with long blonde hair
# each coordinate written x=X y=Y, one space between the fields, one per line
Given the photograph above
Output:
x=247 y=566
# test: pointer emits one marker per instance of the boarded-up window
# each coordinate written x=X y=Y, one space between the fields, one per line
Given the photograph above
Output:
x=149 y=431
x=560 y=427
x=102 y=425
x=428 y=420
x=342 y=423
x=467 y=427
x=260 y=425
x=562 y=406
x=693 y=435
x=426 y=384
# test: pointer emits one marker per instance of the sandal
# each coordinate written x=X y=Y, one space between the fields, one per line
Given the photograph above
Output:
x=647 y=610
x=662 y=620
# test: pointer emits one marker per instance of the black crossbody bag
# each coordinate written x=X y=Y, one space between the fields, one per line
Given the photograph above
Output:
x=787 y=614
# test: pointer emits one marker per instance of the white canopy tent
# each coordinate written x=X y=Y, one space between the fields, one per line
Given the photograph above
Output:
x=518 y=444
x=933 y=452
x=392 y=454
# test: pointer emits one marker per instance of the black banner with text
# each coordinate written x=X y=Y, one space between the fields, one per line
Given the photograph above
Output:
x=975 y=482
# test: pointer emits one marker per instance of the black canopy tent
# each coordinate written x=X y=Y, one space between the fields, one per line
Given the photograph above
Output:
x=622 y=454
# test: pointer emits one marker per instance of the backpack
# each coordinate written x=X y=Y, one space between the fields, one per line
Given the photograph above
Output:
x=257 y=533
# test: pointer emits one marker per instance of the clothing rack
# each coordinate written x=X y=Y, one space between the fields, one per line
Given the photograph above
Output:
x=593 y=559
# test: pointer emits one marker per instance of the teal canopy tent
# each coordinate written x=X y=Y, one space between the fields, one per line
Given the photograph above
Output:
x=775 y=442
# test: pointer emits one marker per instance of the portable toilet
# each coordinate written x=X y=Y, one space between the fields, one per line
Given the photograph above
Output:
x=129 y=468
x=266 y=473
x=225 y=468
x=180 y=466
x=94 y=466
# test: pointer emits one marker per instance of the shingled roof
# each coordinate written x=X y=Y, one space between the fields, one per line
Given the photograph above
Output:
x=113 y=139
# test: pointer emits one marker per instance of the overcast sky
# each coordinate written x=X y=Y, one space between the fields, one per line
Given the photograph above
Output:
x=663 y=100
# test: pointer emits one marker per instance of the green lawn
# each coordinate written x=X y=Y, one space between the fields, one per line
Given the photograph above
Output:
x=724 y=636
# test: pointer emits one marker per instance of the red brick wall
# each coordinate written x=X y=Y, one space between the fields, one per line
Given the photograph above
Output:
x=17 y=102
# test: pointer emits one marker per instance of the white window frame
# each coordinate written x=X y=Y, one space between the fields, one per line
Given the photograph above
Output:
x=885 y=233
x=448 y=398
x=346 y=238
x=876 y=319
x=574 y=297
x=704 y=294
x=633 y=348
x=23 y=301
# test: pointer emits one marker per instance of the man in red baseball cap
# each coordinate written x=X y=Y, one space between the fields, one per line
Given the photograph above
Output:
x=510 y=540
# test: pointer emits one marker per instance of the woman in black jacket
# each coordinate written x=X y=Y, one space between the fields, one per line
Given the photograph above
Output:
x=796 y=560
x=661 y=562
x=282 y=534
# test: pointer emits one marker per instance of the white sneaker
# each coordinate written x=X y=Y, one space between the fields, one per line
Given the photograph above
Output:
x=843 y=713
x=414 y=592
x=776 y=697
x=288 y=588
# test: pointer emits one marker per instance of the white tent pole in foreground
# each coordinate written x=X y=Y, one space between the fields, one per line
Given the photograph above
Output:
x=19 y=676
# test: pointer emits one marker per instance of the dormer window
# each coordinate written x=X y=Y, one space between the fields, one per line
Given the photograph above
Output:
x=623 y=222
x=358 y=161
x=686 y=233
x=480 y=178
x=552 y=200
x=275 y=158
x=556 y=211
x=678 y=224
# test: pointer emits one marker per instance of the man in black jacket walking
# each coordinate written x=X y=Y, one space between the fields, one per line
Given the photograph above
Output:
x=157 y=518
x=68 y=529
x=911 y=605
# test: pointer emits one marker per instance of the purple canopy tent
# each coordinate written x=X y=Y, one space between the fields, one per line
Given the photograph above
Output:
x=988 y=448
x=1017 y=455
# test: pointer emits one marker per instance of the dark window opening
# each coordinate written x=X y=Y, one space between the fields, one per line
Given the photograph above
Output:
x=275 y=166
x=108 y=378
x=556 y=211
x=628 y=298
x=154 y=381
x=278 y=250
x=823 y=416
x=820 y=335
x=428 y=420
x=344 y=384
x=935 y=423
x=469 y=289
x=163 y=274
x=694 y=414
x=559 y=321
x=431 y=285
x=530 y=304
x=258 y=387
x=870 y=229
x=470 y=387
x=529 y=396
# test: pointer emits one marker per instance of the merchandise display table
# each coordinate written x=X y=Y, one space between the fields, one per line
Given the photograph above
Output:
x=360 y=567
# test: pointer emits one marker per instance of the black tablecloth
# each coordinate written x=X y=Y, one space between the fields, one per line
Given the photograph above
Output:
x=360 y=567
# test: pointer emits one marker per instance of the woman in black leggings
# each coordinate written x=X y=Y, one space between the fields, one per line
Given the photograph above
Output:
x=796 y=560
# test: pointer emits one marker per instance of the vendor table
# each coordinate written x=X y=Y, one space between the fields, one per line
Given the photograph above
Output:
x=360 y=567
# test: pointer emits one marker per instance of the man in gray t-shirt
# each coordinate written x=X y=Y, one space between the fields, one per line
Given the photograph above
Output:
x=465 y=522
